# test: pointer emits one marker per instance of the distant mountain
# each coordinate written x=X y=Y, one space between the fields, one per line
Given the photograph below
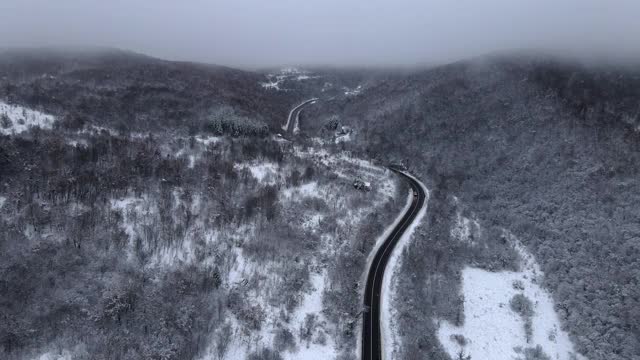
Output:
x=125 y=90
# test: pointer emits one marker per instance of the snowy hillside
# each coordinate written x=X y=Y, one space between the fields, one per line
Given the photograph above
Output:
x=507 y=315
x=15 y=119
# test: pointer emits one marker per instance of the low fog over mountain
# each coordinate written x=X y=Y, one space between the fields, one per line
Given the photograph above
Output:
x=319 y=180
x=254 y=33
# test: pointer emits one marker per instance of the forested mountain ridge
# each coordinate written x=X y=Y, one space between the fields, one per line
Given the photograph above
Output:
x=154 y=209
x=546 y=148
x=148 y=210
x=132 y=92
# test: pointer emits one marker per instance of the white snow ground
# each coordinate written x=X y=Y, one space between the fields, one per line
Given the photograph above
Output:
x=352 y=92
x=466 y=230
x=76 y=352
x=19 y=119
x=312 y=305
x=492 y=329
x=264 y=172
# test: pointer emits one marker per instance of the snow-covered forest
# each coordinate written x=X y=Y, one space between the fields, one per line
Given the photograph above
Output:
x=156 y=209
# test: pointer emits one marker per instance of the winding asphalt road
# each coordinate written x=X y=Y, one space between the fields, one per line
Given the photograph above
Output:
x=294 y=116
x=371 y=333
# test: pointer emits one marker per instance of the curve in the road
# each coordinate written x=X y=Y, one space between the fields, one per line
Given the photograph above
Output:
x=294 y=116
x=371 y=330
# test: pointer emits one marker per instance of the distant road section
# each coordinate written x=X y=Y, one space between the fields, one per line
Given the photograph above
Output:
x=293 y=121
x=371 y=332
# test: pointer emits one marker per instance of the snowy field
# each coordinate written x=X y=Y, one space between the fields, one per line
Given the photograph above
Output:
x=492 y=329
x=15 y=119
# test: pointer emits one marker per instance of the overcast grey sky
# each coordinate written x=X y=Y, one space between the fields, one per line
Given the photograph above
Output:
x=366 y=32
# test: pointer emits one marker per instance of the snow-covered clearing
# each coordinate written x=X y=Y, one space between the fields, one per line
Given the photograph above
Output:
x=317 y=346
x=349 y=167
x=352 y=92
x=306 y=190
x=388 y=315
x=93 y=130
x=2 y=201
x=78 y=351
x=206 y=141
x=193 y=153
x=466 y=230
x=80 y=143
x=343 y=138
x=15 y=119
x=275 y=85
x=492 y=329
x=63 y=355
x=137 y=213
x=141 y=220
x=264 y=172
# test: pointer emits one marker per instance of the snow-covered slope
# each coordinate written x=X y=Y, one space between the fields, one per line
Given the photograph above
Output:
x=15 y=119
x=257 y=279
x=492 y=329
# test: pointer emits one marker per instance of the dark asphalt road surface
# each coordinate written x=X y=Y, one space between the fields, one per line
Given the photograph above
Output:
x=371 y=333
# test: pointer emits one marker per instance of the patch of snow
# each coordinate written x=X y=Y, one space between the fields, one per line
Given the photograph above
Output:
x=326 y=86
x=63 y=354
x=466 y=230
x=492 y=329
x=93 y=130
x=15 y=119
x=312 y=305
x=348 y=167
x=244 y=343
x=2 y=201
x=352 y=92
x=78 y=143
x=263 y=172
x=306 y=190
x=343 y=138
x=182 y=253
x=388 y=315
x=136 y=213
x=290 y=74
x=292 y=71
x=206 y=141
x=312 y=222
x=275 y=85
